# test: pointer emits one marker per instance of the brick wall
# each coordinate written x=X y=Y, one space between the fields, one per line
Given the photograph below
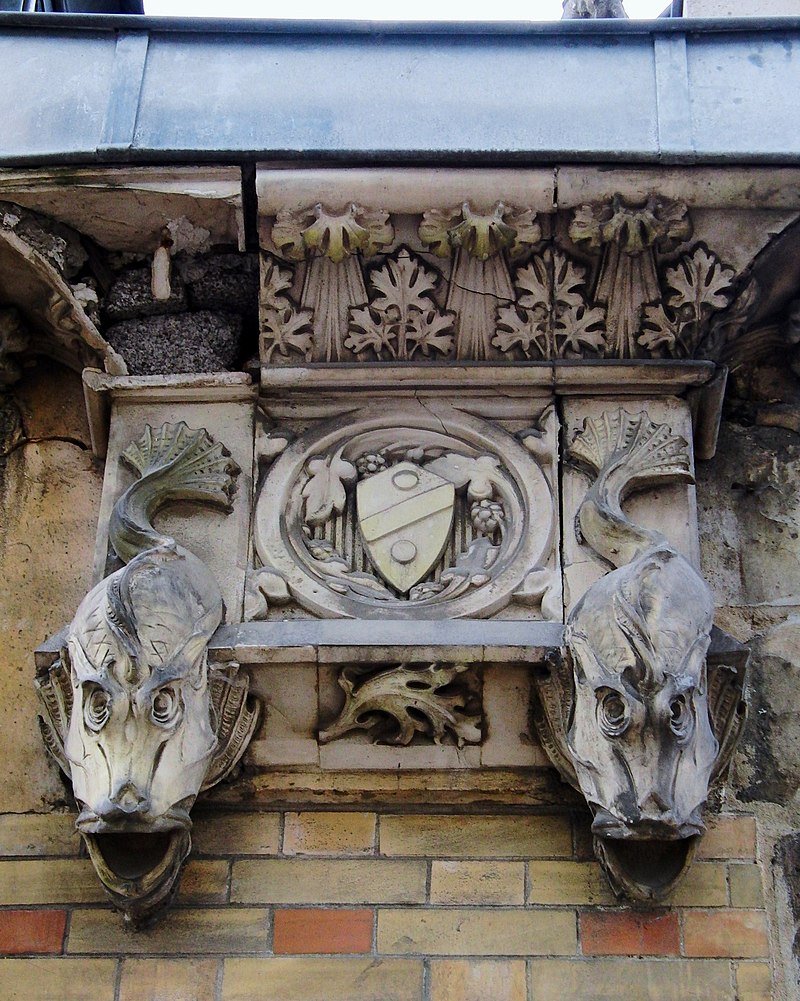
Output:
x=356 y=906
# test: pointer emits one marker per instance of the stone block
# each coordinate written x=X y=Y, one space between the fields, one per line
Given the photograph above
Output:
x=314 y=930
x=629 y=933
x=58 y=979
x=567 y=883
x=329 y=833
x=746 y=886
x=728 y=837
x=195 y=932
x=251 y=833
x=204 y=881
x=287 y=735
x=509 y=742
x=458 y=931
x=478 y=980
x=735 y=934
x=39 y=834
x=49 y=881
x=168 y=980
x=487 y=837
x=462 y=882
x=340 y=979
x=705 y=885
x=23 y=932
x=753 y=982
x=642 y=979
x=356 y=752
x=329 y=881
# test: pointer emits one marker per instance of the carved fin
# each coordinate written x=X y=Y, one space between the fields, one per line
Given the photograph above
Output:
x=727 y=708
x=173 y=463
x=55 y=694
x=237 y=716
x=551 y=708
x=626 y=452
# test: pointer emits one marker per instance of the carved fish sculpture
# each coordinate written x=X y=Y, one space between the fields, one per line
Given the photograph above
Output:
x=592 y=8
x=132 y=710
x=636 y=729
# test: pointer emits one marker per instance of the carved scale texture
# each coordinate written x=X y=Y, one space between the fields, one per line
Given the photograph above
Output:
x=235 y=719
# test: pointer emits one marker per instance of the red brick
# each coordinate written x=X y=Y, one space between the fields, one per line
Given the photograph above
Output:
x=31 y=931
x=611 y=933
x=727 y=934
x=312 y=930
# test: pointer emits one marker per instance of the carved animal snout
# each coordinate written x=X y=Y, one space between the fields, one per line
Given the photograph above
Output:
x=126 y=802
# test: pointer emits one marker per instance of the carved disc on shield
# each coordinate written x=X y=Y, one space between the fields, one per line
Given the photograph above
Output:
x=405 y=514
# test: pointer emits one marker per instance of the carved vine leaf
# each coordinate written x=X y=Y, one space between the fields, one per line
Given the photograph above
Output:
x=333 y=568
x=701 y=282
x=522 y=329
x=317 y=231
x=579 y=327
x=395 y=705
x=481 y=475
x=284 y=330
x=403 y=317
x=275 y=281
x=659 y=332
x=533 y=282
x=325 y=492
x=434 y=230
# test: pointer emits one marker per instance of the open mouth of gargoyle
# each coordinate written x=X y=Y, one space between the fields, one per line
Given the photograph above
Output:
x=646 y=870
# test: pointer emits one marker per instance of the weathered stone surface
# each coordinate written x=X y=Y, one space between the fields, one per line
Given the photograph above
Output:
x=58 y=244
x=188 y=342
x=227 y=282
x=130 y=297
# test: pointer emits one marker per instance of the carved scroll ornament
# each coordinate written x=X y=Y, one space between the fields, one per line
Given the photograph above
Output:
x=632 y=716
x=132 y=712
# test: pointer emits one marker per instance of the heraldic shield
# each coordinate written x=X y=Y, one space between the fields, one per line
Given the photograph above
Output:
x=405 y=515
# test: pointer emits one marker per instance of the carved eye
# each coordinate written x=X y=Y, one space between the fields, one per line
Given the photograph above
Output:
x=680 y=716
x=96 y=707
x=613 y=713
x=166 y=706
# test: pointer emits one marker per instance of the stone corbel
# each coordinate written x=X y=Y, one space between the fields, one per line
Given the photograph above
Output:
x=634 y=713
x=131 y=710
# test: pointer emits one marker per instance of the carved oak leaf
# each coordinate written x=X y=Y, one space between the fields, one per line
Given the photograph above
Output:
x=371 y=328
x=286 y=329
x=700 y=281
x=430 y=331
x=525 y=329
x=324 y=493
x=580 y=327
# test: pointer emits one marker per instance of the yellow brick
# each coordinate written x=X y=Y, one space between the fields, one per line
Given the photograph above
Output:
x=746 y=887
x=705 y=885
x=329 y=833
x=39 y=834
x=478 y=980
x=50 y=881
x=729 y=837
x=462 y=932
x=478 y=836
x=478 y=882
x=57 y=979
x=322 y=980
x=204 y=881
x=194 y=932
x=329 y=881
x=168 y=980
x=639 y=979
x=568 y=883
x=237 y=834
x=753 y=982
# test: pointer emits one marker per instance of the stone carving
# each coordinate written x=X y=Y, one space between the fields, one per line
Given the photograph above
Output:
x=592 y=8
x=285 y=329
x=402 y=320
x=132 y=712
x=552 y=316
x=479 y=278
x=405 y=519
x=628 y=235
x=13 y=340
x=630 y=716
x=398 y=704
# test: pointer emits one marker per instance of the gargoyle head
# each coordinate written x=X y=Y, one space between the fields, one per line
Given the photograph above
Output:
x=140 y=737
x=641 y=739
x=592 y=8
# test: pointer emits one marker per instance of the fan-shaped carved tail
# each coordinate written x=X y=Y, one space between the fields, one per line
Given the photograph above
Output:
x=625 y=452
x=173 y=463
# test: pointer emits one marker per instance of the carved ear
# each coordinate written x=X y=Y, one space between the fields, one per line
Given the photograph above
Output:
x=727 y=708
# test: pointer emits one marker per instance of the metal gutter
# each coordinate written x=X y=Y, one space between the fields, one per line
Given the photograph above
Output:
x=160 y=90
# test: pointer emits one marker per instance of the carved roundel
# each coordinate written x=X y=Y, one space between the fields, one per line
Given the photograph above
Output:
x=431 y=513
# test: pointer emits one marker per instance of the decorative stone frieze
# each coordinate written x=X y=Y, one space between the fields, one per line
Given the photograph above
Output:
x=132 y=713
